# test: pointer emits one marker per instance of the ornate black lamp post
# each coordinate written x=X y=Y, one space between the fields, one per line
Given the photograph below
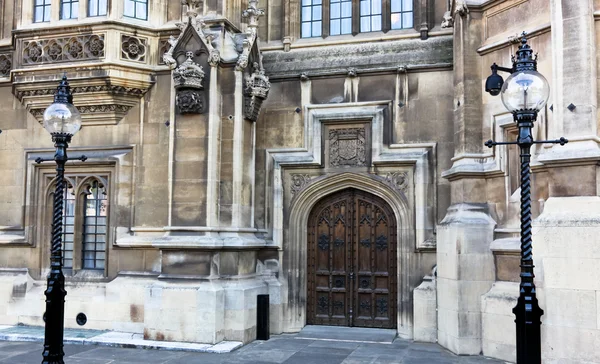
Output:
x=524 y=94
x=62 y=121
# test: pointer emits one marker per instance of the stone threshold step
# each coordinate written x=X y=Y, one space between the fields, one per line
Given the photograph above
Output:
x=113 y=339
x=347 y=334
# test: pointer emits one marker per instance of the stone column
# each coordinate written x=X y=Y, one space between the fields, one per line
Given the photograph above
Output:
x=465 y=262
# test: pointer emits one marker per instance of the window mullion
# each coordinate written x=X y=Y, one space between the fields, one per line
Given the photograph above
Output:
x=325 y=15
x=386 y=16
x=355 y=17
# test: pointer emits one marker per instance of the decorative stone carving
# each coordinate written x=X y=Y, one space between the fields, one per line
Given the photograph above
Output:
x=189 y=83
x=89 y=109
x=347 y=147
x=304 y=77
x=299 y=182
x=133 y=48
x=163 y=48
x=397 y=180
x=352 y=72
x=64 y=49
x=461 y=8
x=190 y=102
x=5 y=64
x=256 y=91
x=447 y=20
x=253 y=14
x=189 y=74
x=214 y=58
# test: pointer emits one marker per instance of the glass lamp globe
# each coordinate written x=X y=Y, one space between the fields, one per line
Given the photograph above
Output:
x=525 y=90
x=62 y=118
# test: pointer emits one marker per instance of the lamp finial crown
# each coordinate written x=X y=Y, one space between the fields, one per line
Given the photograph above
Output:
x=63 y=91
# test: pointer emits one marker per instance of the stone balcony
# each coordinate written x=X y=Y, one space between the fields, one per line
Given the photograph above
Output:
x=110 y=66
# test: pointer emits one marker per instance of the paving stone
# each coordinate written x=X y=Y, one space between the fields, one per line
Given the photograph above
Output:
x=305 y=358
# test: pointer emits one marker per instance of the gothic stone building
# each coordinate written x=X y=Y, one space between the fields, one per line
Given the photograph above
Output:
x=328 y=153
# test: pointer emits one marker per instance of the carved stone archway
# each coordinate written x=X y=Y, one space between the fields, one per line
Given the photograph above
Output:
x=295 y=247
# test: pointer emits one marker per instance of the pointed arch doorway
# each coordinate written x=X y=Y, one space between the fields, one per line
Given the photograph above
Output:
x=352 y=261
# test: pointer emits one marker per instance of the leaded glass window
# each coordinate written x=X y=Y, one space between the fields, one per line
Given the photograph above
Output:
x=137 y=9
x=94 y=228
x=370 y=15
x=340 y=17
x=402 y=14
x=312 y=18
x=68 y=227
x=69 y=9
x=97 y=7
x=41 y=11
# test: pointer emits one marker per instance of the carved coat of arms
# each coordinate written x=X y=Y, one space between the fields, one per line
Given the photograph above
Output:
x=347 y=147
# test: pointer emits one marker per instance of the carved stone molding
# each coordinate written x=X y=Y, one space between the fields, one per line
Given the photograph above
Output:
x=65 y=49
x=100 y=100
x=347 y=147
x=298 y=182
x=256 y=91
x=5 y=64
x=133 y=48
x=397 y=180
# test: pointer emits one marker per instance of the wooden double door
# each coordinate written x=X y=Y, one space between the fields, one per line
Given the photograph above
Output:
x=352 y=261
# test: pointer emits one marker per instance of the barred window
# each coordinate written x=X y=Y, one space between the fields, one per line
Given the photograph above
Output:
x=340 y=17
x=402 y=14
x=137 y=9
x=97 y=7
x=312 y=18
x=94 y=227
x=69 y=9
x=370 y=15
x=41 y=11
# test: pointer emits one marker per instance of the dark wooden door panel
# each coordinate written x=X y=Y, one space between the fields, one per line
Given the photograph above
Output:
x=352 y=261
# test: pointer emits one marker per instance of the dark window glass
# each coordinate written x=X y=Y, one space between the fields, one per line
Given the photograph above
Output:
x=94 y=228
x=41 y=11
x=312 y=18
x=97 y=7
x=402 y=14
x=137 y=9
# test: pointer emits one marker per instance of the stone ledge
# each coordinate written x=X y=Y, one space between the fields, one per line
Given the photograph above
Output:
x=113 y=339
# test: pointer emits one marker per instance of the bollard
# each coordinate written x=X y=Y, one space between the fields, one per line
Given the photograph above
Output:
x=262 y=317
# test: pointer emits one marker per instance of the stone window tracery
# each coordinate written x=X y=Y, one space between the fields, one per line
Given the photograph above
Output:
x=85 y=222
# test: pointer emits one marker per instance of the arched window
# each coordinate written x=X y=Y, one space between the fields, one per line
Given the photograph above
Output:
x=322 y=18
x=85 y=222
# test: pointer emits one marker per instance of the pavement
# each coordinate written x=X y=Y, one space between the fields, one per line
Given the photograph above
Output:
x=287 y=349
